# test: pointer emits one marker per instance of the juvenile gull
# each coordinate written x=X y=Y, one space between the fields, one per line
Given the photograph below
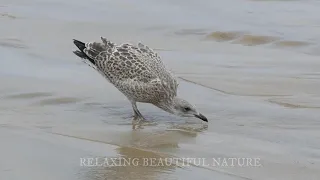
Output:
x=138 y=72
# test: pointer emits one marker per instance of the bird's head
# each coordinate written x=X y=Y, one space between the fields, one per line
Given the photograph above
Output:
x=181 y=107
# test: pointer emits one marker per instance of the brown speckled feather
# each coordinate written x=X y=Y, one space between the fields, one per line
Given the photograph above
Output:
x=137 y=71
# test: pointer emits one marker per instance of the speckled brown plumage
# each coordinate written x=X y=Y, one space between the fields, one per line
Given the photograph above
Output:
x=136 y=70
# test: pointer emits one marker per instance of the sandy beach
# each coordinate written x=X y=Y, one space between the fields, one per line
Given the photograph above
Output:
x=252 y=67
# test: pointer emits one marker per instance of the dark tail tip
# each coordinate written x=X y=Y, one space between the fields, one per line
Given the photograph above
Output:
x=80 y=53
x=79 y=44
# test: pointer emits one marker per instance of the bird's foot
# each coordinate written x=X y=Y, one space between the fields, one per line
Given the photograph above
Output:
x=141 y=121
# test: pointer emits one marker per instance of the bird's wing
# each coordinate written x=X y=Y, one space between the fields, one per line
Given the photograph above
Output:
x=128 y=67
x=153 y=61
x=151 y=92
x=155 y=56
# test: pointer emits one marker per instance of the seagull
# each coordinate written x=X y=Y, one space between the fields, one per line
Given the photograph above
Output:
x=139 y=73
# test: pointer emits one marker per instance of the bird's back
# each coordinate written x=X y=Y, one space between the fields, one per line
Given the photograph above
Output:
x=149 y=59
x=131 y=67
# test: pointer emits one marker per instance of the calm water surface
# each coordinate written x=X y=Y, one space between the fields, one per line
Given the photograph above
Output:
x=251 y=66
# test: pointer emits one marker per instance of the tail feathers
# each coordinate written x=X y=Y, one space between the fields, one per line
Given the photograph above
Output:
x=81 y=46
x=80 y=54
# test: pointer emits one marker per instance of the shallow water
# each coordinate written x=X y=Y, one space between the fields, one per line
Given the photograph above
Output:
x=252 y=68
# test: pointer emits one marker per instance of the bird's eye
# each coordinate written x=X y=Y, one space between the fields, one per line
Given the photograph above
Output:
x=186 y=109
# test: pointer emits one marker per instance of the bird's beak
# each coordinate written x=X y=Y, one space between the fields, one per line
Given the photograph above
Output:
x=202 y=117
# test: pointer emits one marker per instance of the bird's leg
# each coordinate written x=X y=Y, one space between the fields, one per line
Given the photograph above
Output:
x=138 y=118
x=137 y=114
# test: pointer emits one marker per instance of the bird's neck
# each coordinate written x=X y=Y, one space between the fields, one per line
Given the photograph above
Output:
x=167 y=105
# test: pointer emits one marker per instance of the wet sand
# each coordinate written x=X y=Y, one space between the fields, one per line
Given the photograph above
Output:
x=258 y=86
